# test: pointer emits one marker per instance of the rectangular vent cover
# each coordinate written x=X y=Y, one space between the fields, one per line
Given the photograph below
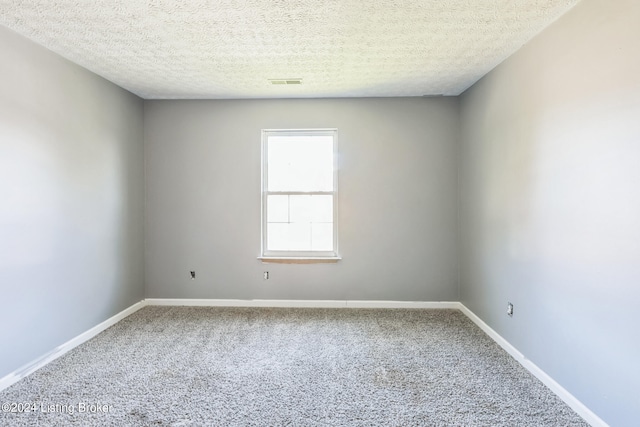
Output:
x=286 y=81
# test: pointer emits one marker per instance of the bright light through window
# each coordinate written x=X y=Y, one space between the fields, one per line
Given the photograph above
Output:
x=299 y=193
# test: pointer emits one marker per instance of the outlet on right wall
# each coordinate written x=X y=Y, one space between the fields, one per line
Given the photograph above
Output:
x=550 y=204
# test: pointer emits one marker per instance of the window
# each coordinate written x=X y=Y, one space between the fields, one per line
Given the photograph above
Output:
x=299 y=194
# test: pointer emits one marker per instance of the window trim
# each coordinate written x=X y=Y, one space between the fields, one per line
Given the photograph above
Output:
x=298 y=256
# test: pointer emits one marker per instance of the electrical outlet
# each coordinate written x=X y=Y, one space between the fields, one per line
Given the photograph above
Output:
x=510 y=309
x=265 y=275
x=193 y=275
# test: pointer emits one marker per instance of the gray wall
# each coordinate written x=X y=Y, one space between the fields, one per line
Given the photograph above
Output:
x=397 y=207
x=550 y=203
x=71 y=200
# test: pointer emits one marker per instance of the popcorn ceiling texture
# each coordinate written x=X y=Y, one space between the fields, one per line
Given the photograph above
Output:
x=200 y=366
x=230 y=48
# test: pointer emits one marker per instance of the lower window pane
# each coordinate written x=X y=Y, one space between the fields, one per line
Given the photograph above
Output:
x=322 y=208
x=278 y=208
x=300 y=208
x=289 y=237
x=322 y=236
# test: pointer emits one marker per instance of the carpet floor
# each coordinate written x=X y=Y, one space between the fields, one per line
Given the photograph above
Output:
x=202 y=366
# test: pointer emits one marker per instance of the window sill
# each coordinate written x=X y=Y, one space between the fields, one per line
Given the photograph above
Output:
x=299 y=260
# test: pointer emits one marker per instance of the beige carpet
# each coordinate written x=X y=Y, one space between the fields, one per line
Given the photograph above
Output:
x=179 y=366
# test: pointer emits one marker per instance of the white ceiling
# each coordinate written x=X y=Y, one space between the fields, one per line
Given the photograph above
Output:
x=231 y=48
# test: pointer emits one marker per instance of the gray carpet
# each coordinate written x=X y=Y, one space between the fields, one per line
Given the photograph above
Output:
x=178 y=366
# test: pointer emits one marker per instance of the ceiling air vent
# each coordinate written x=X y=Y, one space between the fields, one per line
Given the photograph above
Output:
x=286 y=81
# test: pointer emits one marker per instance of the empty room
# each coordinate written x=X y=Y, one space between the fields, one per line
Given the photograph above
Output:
x=338 y=213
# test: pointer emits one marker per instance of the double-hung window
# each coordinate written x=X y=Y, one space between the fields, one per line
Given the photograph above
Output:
x=299 y=194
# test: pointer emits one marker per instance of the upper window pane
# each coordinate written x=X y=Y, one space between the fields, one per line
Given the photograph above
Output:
x=300 y=163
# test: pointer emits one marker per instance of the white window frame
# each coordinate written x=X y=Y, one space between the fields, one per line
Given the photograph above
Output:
x=297 y=256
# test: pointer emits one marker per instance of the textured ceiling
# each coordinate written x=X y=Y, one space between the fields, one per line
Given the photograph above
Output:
x=230 y=49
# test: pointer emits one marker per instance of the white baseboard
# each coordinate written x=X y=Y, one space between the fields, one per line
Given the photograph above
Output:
x=560 y=391
x=38 y=363
x=403 y=304
x=299 y=303
x=244 y=303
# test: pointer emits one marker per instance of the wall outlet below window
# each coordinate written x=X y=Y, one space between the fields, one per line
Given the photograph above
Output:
x=192 y=274
x=510 y=309
x=265 y=275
